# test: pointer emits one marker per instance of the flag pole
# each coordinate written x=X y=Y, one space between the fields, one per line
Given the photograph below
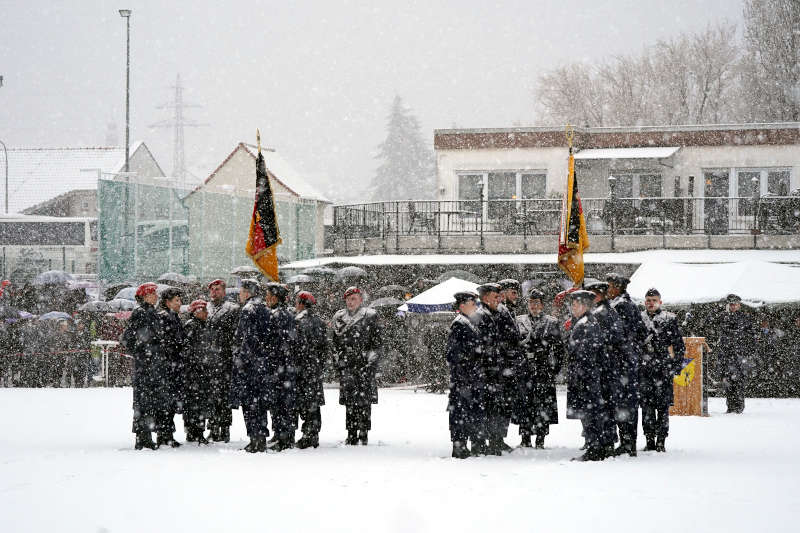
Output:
x=258 y=140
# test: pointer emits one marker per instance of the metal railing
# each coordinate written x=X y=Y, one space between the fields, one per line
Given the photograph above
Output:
x=541 y=216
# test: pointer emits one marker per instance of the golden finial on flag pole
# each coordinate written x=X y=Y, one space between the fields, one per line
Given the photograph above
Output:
x=570 y=134
x=258 y=139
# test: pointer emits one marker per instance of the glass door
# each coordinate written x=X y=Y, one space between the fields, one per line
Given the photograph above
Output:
x=715 y=205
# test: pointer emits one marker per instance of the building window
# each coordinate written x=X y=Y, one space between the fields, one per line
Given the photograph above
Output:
x=470 y=190
x=502 y=186
x=650 y=186
x=748 y=183
x=778 y=182
x=533 y=186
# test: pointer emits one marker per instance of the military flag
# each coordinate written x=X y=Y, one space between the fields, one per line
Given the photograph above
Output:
x=264 y=236
x=573 y=238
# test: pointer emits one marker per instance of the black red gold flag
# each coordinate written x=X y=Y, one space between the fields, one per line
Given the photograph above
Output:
x=573 y=238
x=264 y=236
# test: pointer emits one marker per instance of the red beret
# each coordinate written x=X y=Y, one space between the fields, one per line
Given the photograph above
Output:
x=351 y=290
x=145 y=289
x=217 y=282
x=197 y=305
x=306 y=297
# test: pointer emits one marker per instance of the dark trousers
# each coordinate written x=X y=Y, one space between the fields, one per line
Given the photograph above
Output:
x=220 y=415
x=358 y=417
x=628 y=428
x=312 y=420
x=655 y=421
x=592 y=423
x=256 y=417
x=734 y=394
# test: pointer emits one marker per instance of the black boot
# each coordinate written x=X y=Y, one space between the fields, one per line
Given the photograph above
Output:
x=257 y=444
x=651 y=444
x=460 y=450
x=540 y=442
x=362 y=437
x=224 y=434
x=592 y=454
x=168 y=440
x=213 y=434
x=525 y=442
x=352 y=438
x=144 y=440
x=660 y=444
x=478 y=448
x=308 y=441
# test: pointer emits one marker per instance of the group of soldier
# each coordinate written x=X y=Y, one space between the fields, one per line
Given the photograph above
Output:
x=261 y=355
x=503 y=368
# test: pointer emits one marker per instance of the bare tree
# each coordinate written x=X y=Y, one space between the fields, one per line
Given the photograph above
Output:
x=772 y=61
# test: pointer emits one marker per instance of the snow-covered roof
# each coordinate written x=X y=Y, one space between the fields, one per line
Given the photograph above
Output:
x=645 y=152
x=624 y=258
x=755 y=282
x=440 y=297
x=286 y=174
x=36 y=175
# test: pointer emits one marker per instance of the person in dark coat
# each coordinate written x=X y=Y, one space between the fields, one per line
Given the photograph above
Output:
x=197 y=359
x=252 y=387
x=736 y=352
x=282 y=367
x=223 y=317
x=511 y=356
x=627 y=379
x=662 y=359
x=586 y=365
x=357 y=345
x=464 y=359
x=542 y=345
x=174 y=341
x=488 y=321
x=143 y=340
x=312 y=342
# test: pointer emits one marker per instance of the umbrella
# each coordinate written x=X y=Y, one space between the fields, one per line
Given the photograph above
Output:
x=120 y=304
x=392 y=290
x=129 y=293
x=111 y=290
x=53 y=277
x=171 y=278
x=460 y=274
x=78 y=284
x=386 y=302
x=320 y=271
x=245 y=270
x=300 y=278
x=350 y=272
x=55 y=315
x=438 y=298
x=95 y=306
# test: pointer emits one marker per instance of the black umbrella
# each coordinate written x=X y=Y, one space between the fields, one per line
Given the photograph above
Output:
x=350 y=272
x=53 y=277
x=172 y=278
x=460 y=274
x=120 y=304
x=245 y=270
x=387 y=302
x=112 y=290
x=300 y=278
x=96 y=306
x=392 y=290
x=320 y=271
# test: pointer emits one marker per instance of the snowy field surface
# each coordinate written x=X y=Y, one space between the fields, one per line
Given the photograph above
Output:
x=67 y=464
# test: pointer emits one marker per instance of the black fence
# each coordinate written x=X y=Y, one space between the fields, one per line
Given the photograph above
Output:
x=774 y=215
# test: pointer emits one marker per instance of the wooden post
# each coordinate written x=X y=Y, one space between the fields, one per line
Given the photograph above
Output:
x=688 y=386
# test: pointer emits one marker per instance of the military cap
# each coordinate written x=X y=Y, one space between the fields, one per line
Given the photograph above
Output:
x=596 y=285
x=581 y=296
x=217 y=282
x=488 y=287
x=465 y=296
x=306 y=298
x=652 y=292
x=351 y=291
x=508 y=283
x=535 y=294
x=617 y=279
x=277 y=289
x=252 y=286
x=733 y=299
x=146 y=288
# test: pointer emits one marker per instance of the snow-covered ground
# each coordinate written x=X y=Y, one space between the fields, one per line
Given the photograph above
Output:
x=67 y=464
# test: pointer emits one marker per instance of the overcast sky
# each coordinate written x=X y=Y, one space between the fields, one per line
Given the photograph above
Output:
x=317 y=77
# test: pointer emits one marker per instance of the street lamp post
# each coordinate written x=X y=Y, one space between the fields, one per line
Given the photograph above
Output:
x=612 y=182
x=5 y=151
x=126 y=14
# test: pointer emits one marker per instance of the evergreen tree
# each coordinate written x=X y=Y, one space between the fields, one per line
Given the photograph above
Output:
x=407 y=170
